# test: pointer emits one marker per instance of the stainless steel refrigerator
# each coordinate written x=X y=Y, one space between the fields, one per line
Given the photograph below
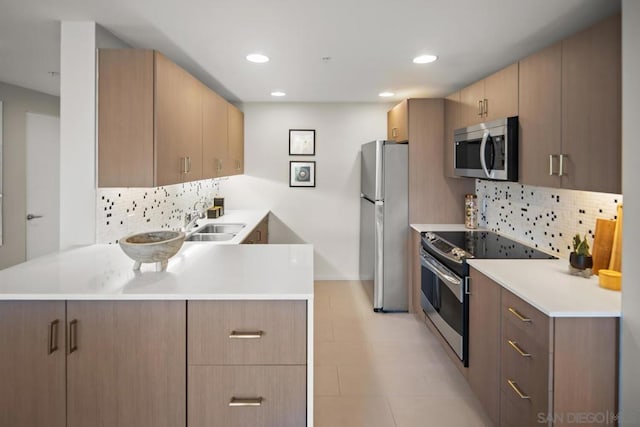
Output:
x=384 y=222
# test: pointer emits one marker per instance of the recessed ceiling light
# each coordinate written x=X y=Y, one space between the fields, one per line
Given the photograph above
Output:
x=386 y=94
x=424 y=59
x=278 y=93
x=257 y=58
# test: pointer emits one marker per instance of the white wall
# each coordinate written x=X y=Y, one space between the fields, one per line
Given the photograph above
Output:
x=78 y=43
x=17 y=101
x=630 y=331
x=328 y=216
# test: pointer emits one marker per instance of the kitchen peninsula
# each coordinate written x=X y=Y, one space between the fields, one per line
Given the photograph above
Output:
x=224 y=336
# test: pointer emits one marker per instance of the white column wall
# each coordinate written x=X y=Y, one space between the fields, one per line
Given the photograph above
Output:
x=630 y=328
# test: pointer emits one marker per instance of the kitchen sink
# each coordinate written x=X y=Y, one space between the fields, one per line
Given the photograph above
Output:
x=221 y=228
x=210 y=237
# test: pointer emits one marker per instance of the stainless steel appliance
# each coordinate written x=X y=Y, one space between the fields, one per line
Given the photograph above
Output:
x=384 y=222
x=488 y=150
x=445 y=277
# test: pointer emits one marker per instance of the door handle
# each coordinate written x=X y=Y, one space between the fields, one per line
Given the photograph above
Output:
x=53 y=336
x=73 y=336
x=480 y=108
x=551 y=157
x=486 y=107
x=561 y=166
x=32 y=216
x=251 y=401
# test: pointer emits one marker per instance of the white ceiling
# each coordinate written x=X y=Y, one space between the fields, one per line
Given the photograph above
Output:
x=370 y=43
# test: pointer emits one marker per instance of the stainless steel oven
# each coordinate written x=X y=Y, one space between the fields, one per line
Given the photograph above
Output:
x=443 y=300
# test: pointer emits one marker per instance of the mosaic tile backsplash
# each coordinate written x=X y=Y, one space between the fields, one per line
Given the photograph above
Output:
x=123 y=211
x=546 y=218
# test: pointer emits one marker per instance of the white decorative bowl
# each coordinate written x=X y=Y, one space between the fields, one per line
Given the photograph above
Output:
x=152 y=247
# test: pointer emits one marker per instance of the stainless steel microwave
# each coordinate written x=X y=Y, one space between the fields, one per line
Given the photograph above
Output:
x=488 y=150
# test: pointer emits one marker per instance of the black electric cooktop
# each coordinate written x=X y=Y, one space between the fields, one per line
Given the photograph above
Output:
x=489 y=245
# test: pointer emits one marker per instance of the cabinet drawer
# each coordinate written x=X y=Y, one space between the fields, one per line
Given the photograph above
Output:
x=271 y=396
x=526 y=363
x=516 y=412
x=526 y=318
x=247 y=332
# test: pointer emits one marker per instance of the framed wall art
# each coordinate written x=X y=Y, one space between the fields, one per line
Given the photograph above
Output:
x=302 y=142
x=302 y=174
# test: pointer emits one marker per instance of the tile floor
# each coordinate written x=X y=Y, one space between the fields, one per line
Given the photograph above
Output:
x=382 y=370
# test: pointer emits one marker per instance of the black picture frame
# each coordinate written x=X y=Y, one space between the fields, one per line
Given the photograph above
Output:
x=302 y=174
x=302 y=142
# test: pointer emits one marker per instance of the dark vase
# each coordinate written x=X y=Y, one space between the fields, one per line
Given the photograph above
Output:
x=581 y=262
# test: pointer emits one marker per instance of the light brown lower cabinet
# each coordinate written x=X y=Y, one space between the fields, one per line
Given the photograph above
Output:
x=257 y=396
x=247 y=363
x=260 y=234
x=32 y=363
x=552 y=370
x=125 y=363
x=484 y=342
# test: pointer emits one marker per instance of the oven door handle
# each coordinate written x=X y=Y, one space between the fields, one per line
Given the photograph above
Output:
x=483 y=160
x=453 y=282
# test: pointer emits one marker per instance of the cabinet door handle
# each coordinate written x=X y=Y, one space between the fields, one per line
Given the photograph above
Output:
x=561 y=166
x=517 y=348
x=551 y=157
x=183 y=165
x=518 y=315
x=480 y=108
x=515 y=388
x=259 y=235
x=73 y=336
x=246 y=401
x=188 y=164
x=486 y=107
x=246 y=335
x=53 y=336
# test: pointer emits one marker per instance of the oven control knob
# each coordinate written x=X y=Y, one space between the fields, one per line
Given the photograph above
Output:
x=430 y=236
x=457 y=252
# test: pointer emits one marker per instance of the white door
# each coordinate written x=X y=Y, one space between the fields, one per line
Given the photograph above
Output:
x=43 y=184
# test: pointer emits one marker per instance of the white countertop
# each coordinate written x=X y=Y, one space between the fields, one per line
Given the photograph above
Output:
x=197 y=271
x=200 y=270
x=442 y=227
x=545 y=284
x=548 y=286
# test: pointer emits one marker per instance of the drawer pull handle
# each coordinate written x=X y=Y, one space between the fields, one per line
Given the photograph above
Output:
x=251 y=401
x=518 y=315
x=515 y=388
x=246 y=335
x=517 y=348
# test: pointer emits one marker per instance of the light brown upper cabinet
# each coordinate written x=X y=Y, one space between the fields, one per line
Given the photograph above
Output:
x=591 y=108
x=569 y=112
x=178 y=124
x=424 y=133
x=149 y=120
x=398 y=122
x=215 y=145
x=540 y=116
x=492 y=98
x=158 y=125
x=235 y=165
x=452 y=120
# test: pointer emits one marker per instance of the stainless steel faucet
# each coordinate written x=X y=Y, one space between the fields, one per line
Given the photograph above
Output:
x=191 y=217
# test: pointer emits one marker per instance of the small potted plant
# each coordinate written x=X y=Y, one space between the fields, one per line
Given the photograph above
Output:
x=580 y=259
